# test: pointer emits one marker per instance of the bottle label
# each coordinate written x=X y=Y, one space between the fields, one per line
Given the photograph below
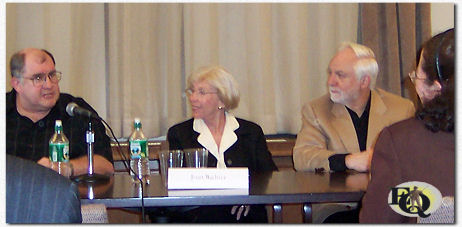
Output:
x=59 y=152
x=139 y=149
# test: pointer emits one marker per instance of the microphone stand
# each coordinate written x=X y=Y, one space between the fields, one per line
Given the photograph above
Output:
x=90 y=177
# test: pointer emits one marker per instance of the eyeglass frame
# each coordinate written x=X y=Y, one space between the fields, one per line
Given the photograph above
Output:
x=39 y=79
x=201 y=92
x=413 y=76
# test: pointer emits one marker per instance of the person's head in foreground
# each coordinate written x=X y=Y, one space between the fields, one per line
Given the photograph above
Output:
x=434 y=81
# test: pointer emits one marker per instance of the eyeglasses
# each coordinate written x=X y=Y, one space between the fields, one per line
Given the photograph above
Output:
x=414 y=77
x=40 y=78
x=201 y=92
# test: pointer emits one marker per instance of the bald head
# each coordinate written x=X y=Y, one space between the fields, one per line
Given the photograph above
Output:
x=20 y=58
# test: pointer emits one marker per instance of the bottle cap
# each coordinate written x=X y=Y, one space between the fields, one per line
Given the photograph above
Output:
x=58 y=123
x=137 y=123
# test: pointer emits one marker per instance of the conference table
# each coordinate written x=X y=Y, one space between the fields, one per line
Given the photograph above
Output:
x=272 y=188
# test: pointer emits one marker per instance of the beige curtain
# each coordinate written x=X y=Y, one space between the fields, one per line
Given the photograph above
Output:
x=144 y=67
x=395 y=31
x=131 y=60
x=74 y=33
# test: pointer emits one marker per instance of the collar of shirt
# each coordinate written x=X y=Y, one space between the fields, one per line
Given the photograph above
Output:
x=228 y=138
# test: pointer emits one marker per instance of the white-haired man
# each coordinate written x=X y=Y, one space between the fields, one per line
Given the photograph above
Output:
x=340 y=128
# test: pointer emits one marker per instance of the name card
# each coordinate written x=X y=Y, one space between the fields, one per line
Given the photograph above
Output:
x=208 y=192
x=208 y=178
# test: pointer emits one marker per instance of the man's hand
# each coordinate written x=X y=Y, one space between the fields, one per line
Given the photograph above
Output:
x=360 y=161
x=45 y=161
x=101 y=165
x=80 y=165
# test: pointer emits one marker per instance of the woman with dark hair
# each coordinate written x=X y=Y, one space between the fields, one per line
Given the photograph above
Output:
x=422 y=148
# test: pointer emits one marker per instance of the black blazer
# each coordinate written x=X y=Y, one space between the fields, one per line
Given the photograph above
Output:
x=250 y=149
x=36 y=194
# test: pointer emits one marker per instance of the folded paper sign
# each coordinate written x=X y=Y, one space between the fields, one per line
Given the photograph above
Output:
x=208 y=178
x=207 y=192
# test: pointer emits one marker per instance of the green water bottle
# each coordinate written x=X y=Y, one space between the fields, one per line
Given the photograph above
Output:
x=59 y=151
x=139 y=153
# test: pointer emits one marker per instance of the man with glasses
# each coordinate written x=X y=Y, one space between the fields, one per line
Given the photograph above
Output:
x=33 y=106
x=339 y=129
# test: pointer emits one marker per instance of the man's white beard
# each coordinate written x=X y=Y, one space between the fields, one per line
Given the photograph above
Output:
x=341 y=97
x=338 y=97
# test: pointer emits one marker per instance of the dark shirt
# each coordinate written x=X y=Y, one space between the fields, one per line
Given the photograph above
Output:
x=361 y=124
x=337 y=161
x=29 y=140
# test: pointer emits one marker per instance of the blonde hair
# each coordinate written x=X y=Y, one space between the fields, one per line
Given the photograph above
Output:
x=366 y=64
x=222 y=80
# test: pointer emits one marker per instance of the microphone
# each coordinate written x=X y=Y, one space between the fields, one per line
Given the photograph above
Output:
x=73 y=109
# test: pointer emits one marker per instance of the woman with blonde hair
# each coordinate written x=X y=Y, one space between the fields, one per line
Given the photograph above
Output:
x=231 y=141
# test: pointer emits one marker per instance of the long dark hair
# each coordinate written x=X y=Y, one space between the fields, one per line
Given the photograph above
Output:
x=438 y=64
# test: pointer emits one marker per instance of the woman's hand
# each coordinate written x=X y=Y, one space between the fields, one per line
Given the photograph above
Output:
x=239 y=212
